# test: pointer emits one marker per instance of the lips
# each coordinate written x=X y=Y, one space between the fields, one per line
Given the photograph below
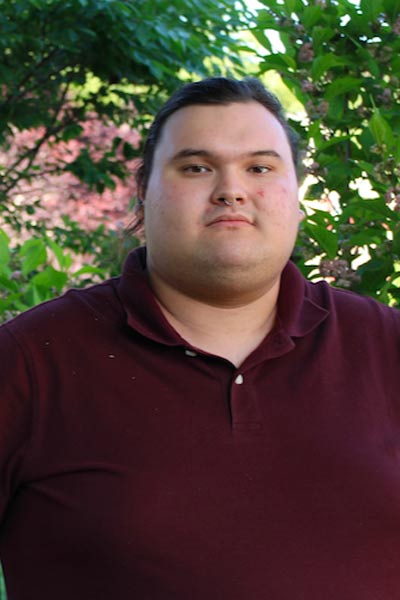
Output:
x=232 y=218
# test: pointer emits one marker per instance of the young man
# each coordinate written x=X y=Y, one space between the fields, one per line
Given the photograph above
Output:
x=210 y=425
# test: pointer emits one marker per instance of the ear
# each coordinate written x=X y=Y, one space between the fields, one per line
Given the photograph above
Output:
x=302 y=215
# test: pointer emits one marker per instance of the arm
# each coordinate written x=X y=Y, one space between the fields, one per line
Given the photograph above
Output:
x=15 y=415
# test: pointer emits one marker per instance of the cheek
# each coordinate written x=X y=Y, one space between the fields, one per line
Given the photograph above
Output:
x=280 y=206
x=170 y=214
x=280 y=198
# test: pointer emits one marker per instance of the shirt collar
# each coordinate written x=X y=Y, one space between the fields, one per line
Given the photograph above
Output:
x=300 y=306
x=143 y=312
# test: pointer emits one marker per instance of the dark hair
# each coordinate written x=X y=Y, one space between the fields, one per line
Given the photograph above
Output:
x=214 y=90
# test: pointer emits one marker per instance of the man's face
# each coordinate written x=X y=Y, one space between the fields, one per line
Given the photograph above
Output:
x=197 y=242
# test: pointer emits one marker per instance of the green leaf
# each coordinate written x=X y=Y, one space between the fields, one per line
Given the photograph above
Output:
x=265 y=20
x=366 y=166
x=397 y=150
x=343 y=85
x=324 y=63
x=392 y=8
x=326 y=239
x=374 y=273
x=33 y=254
x=381 y=129
x=71 y=132
x=4 y=249
x=129 y=151
x=337 y=106
x=262 y=38
x=290 y=6
x=64 y=259
x=371 y=9
x=373 y=208
x=320 y=217
x=311 y=16
x=50 y=279
x=321 y=35
x=367 y=237
x=34 y=296
x=334 y=141
x=278 y=62
x=396 y=244
x=8 y=284
x=89 y=270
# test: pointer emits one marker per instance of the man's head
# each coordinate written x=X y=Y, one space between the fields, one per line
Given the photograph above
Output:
x=220 y=191
x=211 y=91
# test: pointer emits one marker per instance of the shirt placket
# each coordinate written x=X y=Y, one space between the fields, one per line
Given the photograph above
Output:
x=243 y=402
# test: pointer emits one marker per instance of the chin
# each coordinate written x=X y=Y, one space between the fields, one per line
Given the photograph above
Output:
x=228 y=267
x=229 y=261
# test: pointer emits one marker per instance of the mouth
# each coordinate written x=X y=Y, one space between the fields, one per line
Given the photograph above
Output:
x=232 y=219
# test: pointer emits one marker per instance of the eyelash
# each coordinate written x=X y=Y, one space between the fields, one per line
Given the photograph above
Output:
x=195 y=169
x=258 y=169
x=263 y=169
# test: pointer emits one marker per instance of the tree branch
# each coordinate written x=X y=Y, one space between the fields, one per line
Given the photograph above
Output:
x=31 y=153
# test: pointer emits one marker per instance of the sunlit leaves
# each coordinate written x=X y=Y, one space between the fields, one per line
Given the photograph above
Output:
x=381 y=129
x=344 y=69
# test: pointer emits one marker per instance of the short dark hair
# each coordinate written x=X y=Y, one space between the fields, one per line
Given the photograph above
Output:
x=213 y=90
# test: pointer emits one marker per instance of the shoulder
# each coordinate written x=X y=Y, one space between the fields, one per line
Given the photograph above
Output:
x=354 y=311
x=304 y=305
x=73 y=312
x=348 y=301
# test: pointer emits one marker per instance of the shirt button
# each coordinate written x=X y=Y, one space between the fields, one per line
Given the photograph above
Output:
x=239 y=379
x=190 y=353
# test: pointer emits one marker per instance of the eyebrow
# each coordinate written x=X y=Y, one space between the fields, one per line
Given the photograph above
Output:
x=188 y=152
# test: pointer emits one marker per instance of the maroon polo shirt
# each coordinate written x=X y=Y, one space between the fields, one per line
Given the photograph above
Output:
x=134 y=466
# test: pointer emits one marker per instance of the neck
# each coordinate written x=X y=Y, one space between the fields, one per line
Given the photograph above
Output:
x=231 y=328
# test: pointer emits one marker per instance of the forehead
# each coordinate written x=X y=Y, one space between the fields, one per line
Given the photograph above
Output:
x=247 y=126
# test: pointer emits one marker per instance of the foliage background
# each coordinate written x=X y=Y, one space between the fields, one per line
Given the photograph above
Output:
x=342 y=63
x=80 y=80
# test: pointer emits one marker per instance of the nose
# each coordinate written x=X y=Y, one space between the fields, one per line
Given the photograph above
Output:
x=229 y=191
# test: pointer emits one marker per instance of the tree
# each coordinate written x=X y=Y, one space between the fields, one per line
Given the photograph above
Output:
x=64 y=65
x=62 y=60
x=342 y=62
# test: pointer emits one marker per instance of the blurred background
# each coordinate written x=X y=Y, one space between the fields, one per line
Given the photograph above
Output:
x=81 y=79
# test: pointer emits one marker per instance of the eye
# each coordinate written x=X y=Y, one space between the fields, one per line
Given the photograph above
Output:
x=195 y=169
x=259 y=169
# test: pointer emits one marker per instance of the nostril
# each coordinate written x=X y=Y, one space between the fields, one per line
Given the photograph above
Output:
x=225 y=201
